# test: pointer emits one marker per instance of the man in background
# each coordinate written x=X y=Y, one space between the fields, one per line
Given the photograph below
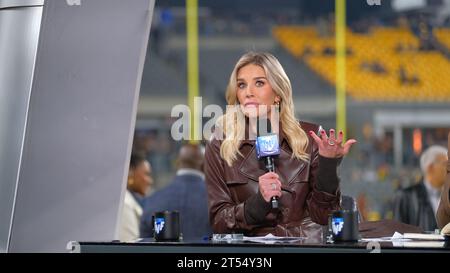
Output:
x=443 y=213
x=417 y=205
x=186 y=194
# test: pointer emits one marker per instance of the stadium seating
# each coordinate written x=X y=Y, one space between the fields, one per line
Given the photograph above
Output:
x=443 y=35
x=382 y=65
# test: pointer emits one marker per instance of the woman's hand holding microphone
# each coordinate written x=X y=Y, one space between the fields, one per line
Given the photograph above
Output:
x=269 y=185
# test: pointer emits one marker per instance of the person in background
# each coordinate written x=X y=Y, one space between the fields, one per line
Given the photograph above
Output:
x=417 y=205
x=138 y=185
x=185 y=194
x=443 y=213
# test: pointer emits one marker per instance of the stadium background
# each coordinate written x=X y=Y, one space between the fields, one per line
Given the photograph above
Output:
x=397 y=91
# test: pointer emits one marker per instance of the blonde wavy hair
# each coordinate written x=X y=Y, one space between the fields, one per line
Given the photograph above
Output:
x=231 y=123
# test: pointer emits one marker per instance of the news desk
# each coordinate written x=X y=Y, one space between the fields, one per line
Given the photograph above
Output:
x=302 y=246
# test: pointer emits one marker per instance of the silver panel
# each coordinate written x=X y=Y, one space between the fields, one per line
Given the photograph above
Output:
x=20 y=3
x=81 y=119
x=19 y=32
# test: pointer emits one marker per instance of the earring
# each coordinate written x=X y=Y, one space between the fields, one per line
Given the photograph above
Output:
x=277 y=106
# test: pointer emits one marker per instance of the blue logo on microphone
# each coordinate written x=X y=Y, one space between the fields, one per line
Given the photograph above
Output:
x=267 y=145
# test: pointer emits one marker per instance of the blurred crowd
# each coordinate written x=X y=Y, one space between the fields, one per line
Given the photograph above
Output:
x=370 y=175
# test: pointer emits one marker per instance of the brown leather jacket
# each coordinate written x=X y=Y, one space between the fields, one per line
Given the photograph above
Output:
x=443 y=213
x=236 y=205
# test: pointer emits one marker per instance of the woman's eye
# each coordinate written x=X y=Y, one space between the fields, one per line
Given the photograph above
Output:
x=241 y=85
x=259 y=83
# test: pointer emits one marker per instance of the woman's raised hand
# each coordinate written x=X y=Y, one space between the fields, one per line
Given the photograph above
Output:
x=330 y=146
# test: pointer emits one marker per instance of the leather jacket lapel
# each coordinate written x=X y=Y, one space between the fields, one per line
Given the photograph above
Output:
x=288 y=171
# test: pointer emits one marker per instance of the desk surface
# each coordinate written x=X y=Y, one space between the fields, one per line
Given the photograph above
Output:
x=301 y=246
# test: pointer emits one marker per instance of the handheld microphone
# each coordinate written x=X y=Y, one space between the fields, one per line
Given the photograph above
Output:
x=267 y=147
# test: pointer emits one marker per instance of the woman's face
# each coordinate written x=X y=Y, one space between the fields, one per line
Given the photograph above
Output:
x=253 y=89
x=142 y=178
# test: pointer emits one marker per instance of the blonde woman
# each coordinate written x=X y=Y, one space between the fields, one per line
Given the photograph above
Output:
x=305 y=178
